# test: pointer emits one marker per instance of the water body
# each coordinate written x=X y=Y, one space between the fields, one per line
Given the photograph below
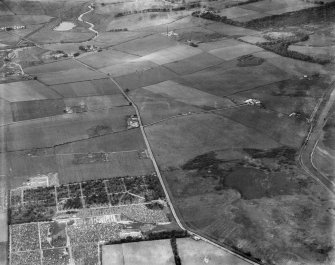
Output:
x=65 y=26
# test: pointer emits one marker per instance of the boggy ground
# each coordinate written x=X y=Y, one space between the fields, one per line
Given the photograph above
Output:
x=258 y=202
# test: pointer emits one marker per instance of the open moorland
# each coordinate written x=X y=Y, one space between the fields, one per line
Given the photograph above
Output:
x=124 y=121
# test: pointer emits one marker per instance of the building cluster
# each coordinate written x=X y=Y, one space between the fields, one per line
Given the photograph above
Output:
x=12 y=28
x=133 y=122
x=76 y=109
x=253 y=102
x=134 y=233
x=88 y=48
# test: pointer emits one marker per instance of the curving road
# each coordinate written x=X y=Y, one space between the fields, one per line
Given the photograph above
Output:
x=314 y=134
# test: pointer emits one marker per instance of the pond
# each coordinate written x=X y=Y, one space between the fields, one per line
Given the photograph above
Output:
x=64 y=26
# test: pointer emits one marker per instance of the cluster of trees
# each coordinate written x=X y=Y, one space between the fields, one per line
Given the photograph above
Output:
x=40 y=195
x=30 y=213
x=281 y=48
x=173 y=9
x=154 y=206
x=152 y=236
x=210 y=15
x=118 y=30
x=177 y=259
x=73 y=203
x=154 y=187
x=249 y=60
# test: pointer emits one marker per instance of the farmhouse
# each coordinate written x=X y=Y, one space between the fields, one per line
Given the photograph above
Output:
x=253 y=102
x=133 y=122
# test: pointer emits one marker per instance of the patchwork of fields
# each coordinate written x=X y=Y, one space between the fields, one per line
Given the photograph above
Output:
x=95 y=119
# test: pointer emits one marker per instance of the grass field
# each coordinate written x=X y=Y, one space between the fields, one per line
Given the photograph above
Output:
x=145 y=78
x=226 y=78
x=119 y=164
x=53 y=67
x=128 y=67
x=155 y=107
x=98 y=87
x=3 y=253
x=319 y=52
x=69 y=76
x=171 y=54
x=295 y=95
x=25 y=165
x=6 y=113
x=323 y=157
x=157 y=252
x=56 y=130
x=25 y=91
x=188 y=95
x=273 y=196
x=27 y=110
x=232 y=52
x=204 y=129
x=116 y=142
x=283 y=129
x=3 y=227
x=146 y=45
x=107 y=58
x=194 y=252
x=193 y=64
x=295 y=67
x=144 y=20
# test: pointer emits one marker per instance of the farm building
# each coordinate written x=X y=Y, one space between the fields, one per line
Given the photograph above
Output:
x=135 y=233
x=133 y=122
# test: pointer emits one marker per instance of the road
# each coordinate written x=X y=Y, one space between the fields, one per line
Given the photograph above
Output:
x=159 y=175
x=314 y=134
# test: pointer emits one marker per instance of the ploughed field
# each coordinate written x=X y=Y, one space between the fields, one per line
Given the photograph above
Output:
x=225 y=107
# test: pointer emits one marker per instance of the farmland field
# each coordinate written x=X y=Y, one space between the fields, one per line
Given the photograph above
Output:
x=155 y=107
x=28 y=110
x=221 y=81
x=96 y=123
x=149 y=253
x=107 y=58
x=124 y=141
x=119 y=164
x=145 y=78
x=128 y=67
x=193 y=64
x=188 y=95
x=88 y=88
x=181 y=134
x=69 y=76
x=218 y=101
x=195 y=252
x=24 y=91
x=172 y=54
x=146 y=45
